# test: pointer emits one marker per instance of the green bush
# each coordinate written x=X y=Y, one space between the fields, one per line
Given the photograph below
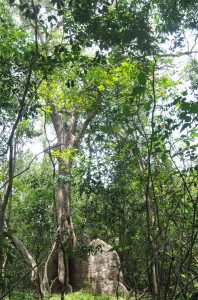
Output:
x=19 y=295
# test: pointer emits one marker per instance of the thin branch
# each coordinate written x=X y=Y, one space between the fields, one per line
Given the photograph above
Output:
x=194 y=43
x=32 y=160
x=153 y=284
x=176 y=54
x=58 y=25
x=18 y=281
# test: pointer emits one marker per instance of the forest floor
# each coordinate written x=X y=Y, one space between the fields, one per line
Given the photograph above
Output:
x=18 y=295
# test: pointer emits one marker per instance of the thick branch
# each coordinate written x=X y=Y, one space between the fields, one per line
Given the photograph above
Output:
x=24 y=252
x=74 y=122
x=56 y=119
x=86 y=124
x=65 y=111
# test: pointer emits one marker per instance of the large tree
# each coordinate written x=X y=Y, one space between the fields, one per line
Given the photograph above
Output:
x=74 y=87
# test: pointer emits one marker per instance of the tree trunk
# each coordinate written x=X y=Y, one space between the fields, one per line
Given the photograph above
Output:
x=1 y=246
x=66 y=229
x=57 y=268
x=66 y=237
x=68 y=133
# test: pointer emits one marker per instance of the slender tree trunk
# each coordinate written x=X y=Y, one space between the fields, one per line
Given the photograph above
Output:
x=1 y=246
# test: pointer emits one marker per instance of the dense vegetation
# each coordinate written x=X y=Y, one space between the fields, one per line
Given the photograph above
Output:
x=108 y=91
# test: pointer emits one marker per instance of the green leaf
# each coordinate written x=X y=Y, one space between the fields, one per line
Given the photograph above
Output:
x=138 y=90
x=7 y=234
x=182 y=115
x=148 y=105
x=72 y=83
x=194 y=108
x=126 y=110
x=185 y=126
x=142 y=78
x=60 y=12
x=116 y=248
x=106 y=129
x=154 y=137
x=33 y=15
x=116 y=128
x=130 y=130
x=10 y=257
x=23 y=6
x=28 y=13
x=49 y=18
x=188 y=119
x=196 y=168
x=158 y=150
x=37 y=9
x=164 y=157
x=136 y=150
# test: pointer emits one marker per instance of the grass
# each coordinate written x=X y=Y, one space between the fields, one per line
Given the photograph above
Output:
x=83 y=296
x=19 y=295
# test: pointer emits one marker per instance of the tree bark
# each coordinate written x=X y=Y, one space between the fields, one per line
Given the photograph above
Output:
x=67 y=142
x=66 y=229
x=1 y=246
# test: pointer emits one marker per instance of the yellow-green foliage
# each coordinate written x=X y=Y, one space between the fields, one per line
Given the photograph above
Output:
x=83 y=296
x=66 y=153
x=82 y=96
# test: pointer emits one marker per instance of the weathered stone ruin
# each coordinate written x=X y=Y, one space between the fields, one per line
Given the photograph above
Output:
x=100 y=272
